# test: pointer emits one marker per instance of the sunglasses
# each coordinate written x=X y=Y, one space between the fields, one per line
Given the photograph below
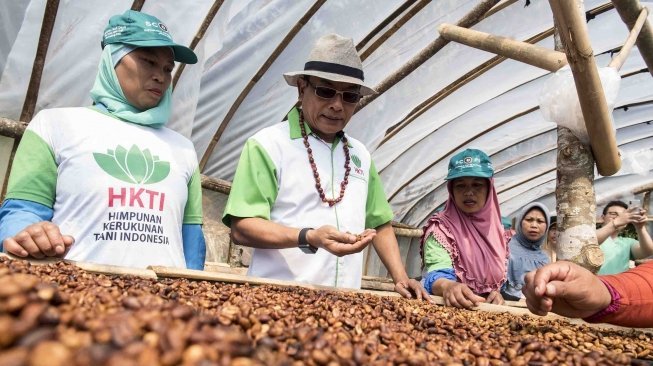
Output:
x=328 y=93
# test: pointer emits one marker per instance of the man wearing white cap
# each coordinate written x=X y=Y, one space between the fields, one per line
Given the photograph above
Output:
x=306 y=195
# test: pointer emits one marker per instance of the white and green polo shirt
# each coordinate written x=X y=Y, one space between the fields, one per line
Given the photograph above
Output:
x=274 y=181
x=121 y=190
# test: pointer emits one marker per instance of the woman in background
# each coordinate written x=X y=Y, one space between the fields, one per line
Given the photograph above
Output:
x=526 y=252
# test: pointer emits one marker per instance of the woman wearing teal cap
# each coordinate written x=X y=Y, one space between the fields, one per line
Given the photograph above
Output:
x=110 y=183
x=463 y=247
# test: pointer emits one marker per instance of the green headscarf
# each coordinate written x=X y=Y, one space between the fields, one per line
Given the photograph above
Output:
x=107 y=91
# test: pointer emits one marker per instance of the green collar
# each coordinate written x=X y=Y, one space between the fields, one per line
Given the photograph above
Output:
x=296 y=132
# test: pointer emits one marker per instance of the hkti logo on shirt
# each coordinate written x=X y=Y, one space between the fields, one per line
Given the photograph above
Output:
x=357 y=169
x=134 y=166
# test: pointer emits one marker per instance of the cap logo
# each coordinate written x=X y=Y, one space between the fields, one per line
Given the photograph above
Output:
x=156 y=25
x=468 y=160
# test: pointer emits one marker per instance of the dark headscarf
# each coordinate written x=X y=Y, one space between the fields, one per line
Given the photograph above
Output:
x=525 y=255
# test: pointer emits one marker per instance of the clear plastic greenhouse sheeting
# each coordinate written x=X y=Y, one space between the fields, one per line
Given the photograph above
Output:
x=528 y=159
x=74 y=53
x=497 y=111
x=445 y=136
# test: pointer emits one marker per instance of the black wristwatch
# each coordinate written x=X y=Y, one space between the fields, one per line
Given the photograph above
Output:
x=303 y=244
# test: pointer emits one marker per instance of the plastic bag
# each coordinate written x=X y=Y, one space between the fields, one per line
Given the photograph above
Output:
x=559 y=101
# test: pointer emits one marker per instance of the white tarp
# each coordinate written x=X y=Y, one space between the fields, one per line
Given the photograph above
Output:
x=496 y=111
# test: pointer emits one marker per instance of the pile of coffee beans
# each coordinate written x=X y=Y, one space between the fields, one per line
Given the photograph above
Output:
x=58 y=314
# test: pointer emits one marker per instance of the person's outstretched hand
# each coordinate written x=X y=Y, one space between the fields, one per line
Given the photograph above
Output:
x=459 y=295
x=39 y=240
x=566 y=289
x=410 y=287
x=339 y=243
x=495 y=298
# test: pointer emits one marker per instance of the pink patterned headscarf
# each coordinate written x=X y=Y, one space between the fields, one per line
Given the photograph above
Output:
x=475 y=241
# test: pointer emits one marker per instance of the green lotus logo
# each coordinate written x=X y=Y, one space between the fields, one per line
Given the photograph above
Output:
x=133 y=166
x=356 y=160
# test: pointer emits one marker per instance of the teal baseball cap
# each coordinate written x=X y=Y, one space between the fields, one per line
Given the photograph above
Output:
x=470 y=163
x=143 y=30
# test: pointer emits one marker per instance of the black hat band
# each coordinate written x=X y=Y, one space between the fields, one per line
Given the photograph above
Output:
x=334 y=69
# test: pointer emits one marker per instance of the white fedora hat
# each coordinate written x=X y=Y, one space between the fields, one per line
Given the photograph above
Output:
x=334 y=58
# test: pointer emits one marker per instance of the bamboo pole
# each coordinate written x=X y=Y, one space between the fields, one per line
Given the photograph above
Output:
x=469 y=20
x=451 y=88
x=579 y=52
x=620 y=59
x=198 y=36
x=51 y=8
x=629 y=11
x=409 y=233
x=498 y=7
x=643 y=188
x=393 y=29
x=250 y=85
x=402 y=225
x=215 y=184
x=137 y=5
x=373 y=33
x=49 y=17
x=531 y=54
x=13 y=129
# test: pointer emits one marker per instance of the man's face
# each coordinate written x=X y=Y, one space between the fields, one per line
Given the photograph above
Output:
x=611 y=213
x=326 y=116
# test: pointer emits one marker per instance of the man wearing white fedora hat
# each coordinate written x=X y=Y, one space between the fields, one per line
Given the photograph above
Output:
x=305 y=194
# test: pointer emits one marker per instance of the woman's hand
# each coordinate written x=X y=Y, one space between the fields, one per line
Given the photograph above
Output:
x=39 y=240
x=457 y=294
x=408 y=287
x=495 y=298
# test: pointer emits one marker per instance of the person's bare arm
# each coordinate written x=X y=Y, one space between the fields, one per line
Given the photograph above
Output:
x=631 y=216
x=260 y=233
x=606 y=231
x=644 y=248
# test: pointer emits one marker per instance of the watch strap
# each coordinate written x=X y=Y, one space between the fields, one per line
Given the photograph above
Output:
x=303 y=244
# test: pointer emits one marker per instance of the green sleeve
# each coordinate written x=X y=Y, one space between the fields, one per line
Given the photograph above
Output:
x=254 y=189
x=377 y=208
x=34 y=171
x=193 y=209
x=435 y=256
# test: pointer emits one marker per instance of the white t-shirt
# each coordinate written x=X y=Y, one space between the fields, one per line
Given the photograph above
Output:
x=121 y=188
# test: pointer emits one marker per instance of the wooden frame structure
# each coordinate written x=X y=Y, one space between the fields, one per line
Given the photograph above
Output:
x=626 y=9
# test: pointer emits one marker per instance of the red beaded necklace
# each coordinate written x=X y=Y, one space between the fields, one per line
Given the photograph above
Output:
x=316 y=175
